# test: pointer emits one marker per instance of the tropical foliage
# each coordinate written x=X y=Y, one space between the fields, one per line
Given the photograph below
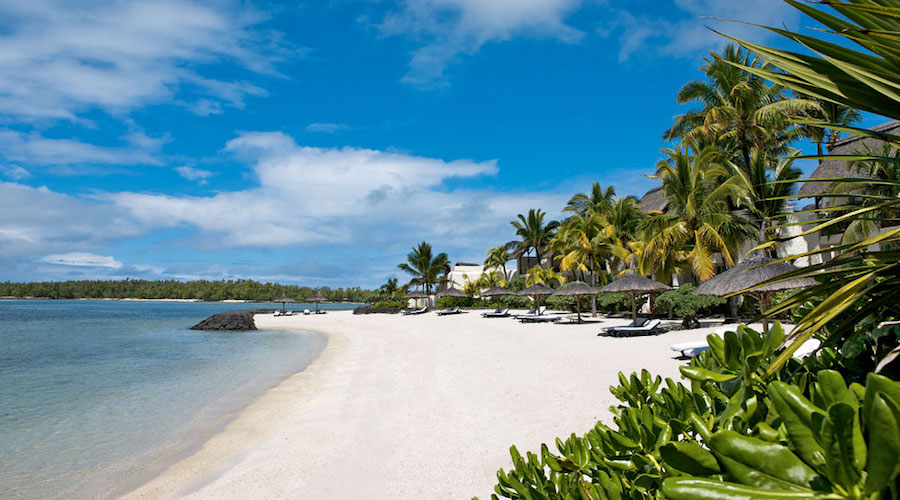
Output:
x=426 y=269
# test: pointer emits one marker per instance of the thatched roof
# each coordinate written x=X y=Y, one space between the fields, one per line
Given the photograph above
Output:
x=750 y=272
x=839 y=168
x=416 y=295
x=451 y=292
x=653 y=200
x=497 y=291
x=536 y=289
x=633 y=282
x=284 y=299
x=576 y=288
x=317 y=298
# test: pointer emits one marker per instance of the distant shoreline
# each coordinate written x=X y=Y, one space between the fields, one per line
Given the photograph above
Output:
x=136 y=299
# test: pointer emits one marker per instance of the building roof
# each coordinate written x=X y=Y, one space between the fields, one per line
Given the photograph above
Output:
x=653 y=201
x=839 y=168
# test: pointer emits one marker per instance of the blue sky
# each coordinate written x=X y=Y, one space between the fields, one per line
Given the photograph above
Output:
x=316 y=142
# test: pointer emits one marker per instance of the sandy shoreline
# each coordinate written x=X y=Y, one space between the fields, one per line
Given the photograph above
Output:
x=414 y=407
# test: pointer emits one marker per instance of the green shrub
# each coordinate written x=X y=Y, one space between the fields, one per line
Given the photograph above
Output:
x=729 y=433
x=685 y=304
x=401 y=304
x=615 y=302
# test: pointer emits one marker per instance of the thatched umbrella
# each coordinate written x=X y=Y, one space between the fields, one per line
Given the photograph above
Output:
x=756 y=269
x=317 y=298
x=577 y=289
x=497 y=291
x=416 y=296
x=451 y=292
x=634 y=284
x=284 y=300
x=537 y=291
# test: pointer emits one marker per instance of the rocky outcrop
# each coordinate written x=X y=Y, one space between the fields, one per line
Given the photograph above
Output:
x=377 y=310
x=229 y=321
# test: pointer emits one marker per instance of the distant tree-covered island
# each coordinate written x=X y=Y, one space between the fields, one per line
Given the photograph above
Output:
x=174 y=289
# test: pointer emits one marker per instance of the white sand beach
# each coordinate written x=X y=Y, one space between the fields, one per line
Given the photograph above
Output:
x=414 y=407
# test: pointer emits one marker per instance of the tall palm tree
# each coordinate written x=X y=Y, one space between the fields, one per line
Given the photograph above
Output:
x=533 y=233
x=832 y=113
x=739 y=110
x=766 y=185
x=598 y=201
x=579 y=244
x=425 y=268
x=390 y=288
x=496 y=259
x=698 y=220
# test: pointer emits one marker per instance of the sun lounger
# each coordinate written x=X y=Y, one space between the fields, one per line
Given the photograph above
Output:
x=649 y=328
x=532 y=313
x=321 y=311
x=449 y=311
x=496 y=313
x=693 y=349
x=306 y=312
x=636 y=322
x=539 y=319
x=412 y=312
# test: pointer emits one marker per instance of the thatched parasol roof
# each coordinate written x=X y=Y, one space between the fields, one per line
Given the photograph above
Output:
x=284 y=299
x=536 y=290
x=317 y=298
x=451 y=292
x=754 y=270
x=416 y=295
x=497 y=291
x=634 y=283
x=653 y=201
x=576 y=288
x=840 y=168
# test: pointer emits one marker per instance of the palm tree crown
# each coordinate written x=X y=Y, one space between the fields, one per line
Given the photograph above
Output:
x=426 y=269
x=532 y=232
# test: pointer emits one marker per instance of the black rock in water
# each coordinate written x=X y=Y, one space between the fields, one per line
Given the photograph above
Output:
x=228 y=321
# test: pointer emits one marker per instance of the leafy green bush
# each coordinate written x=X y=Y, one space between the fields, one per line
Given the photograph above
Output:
x=400 y=304
x=803 y=433
x=454 y=302
x=614 y=302
x=685 y=304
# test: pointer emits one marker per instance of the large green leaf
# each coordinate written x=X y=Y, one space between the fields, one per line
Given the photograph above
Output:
x=759 y=463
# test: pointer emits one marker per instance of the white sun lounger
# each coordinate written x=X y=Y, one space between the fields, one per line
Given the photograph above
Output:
x=693 y=349
x=448 y=311
x=412 y=312
x=499 y=313
x=647 y=328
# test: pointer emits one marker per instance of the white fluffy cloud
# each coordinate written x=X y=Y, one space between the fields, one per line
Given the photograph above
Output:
x=37 y=221
x=194 y=174
x=59 y=58
x=82 y=259
x=326 y=128
x=690 y=35
x=315 y=196
x=450 y=28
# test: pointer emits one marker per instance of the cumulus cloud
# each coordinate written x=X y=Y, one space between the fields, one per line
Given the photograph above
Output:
x=309 y=196
x=327 y=128
x=58 y=58
x=37 y=221
x=689 y=34
x=14 y=172
x=450 y=28
x=34 y=149
x=194 y=174
x=82 y=259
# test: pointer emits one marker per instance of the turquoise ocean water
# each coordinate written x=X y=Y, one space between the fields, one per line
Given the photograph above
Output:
x=102 y=394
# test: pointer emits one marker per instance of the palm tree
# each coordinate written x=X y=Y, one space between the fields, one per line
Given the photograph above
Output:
x=739 y=110
x=832 y=113
x=533 y=233
x=766 y=185
x=539 y=275
x=496 y=259
x=598 y=201
x=698 y=220
x=425 y=268
x=390 y=288
x=578 y=244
